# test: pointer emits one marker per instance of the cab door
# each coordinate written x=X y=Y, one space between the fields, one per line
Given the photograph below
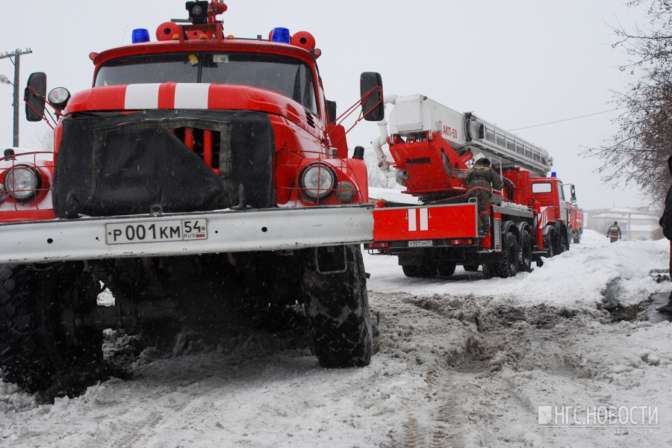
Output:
x=562 y=202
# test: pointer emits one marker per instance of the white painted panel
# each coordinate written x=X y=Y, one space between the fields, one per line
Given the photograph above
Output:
x=142 y=96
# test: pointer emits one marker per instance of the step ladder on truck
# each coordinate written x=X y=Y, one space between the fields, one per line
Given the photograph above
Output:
x=434 y=147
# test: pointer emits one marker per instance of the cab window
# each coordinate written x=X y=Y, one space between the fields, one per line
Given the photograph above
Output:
x=287 y=76
x=542 y=188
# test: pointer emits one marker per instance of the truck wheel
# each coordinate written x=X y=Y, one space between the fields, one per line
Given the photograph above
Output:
x=577 y=238
x=471 y=267
x=447 y=270
x=510 y=262
x=566 y=239
x=413 y=271
x=526 y=251
x=549 y=244
x=337 y=306
x=558 y=240
x=489 y=270
x=38 y=351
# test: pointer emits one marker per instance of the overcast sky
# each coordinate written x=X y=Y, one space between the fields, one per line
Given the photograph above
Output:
x=515 y=63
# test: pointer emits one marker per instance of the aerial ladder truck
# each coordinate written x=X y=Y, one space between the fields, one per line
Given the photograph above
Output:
x=433 y=148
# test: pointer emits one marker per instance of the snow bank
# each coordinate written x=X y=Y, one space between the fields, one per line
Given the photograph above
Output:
x=575 y=278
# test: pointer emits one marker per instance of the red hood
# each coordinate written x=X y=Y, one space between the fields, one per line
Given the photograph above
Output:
x=171 y=96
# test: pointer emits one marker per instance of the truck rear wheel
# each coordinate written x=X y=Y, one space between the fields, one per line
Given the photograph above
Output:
x=489 y=270
x=337 y=306
x=577 y=238
x=559 y=242
x=471 y=267
x=447 y=270
x=38 y=352
x=414 y=271
x=526 y=251
x=550 y=243
x=510 y=262
x=566 y=240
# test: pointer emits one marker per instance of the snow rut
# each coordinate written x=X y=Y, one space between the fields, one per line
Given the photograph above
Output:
x=464 y=348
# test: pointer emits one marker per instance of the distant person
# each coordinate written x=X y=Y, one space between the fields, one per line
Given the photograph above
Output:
x=666 y=224
x=481 y=180
x=614 y=232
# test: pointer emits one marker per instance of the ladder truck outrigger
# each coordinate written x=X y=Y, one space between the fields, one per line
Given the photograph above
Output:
x=433 y=147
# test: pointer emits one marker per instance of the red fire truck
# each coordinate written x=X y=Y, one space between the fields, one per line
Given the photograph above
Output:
x=433 y=148
x=198 y=171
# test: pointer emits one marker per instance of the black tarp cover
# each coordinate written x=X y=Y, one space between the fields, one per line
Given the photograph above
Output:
x=135 y=164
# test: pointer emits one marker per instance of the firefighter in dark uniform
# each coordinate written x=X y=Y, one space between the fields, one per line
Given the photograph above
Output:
x=614 y=232
x=481 y=180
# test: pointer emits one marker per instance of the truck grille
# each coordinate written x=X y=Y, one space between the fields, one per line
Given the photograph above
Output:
x=171 y=161
x=207 y=144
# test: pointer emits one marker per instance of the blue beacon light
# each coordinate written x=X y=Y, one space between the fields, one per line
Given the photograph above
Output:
x=554 y=174
x=140 y=36
x=281 y=35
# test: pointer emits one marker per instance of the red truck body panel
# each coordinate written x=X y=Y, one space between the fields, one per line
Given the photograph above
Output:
x=454 y=221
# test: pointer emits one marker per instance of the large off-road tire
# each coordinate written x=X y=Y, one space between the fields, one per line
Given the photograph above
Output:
x=37 y=351
x=526 y=249
x=337 y=307
x=509 y=264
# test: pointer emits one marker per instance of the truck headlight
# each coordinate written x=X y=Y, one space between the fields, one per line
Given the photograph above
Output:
x=59 y=97
x=22 y=182
x=318 y=181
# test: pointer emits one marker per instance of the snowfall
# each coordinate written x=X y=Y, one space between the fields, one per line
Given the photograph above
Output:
x=462 y=362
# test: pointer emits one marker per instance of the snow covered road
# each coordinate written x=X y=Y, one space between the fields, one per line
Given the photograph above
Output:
x=463 y=362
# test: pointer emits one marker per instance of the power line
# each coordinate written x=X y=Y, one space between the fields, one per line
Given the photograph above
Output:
x=565 y=120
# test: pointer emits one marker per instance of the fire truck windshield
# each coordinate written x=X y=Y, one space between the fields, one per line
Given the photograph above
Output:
x=283 y=75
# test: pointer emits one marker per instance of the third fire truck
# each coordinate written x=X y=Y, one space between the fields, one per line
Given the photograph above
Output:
x=534 y=215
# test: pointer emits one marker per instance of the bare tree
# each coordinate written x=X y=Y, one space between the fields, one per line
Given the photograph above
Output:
x=639 y=150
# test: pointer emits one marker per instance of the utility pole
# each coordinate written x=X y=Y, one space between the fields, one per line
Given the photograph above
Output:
x=15 y=57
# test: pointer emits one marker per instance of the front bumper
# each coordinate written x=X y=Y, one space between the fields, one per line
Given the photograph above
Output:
x=228 y=232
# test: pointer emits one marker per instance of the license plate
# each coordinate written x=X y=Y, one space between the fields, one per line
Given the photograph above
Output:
x=421 y=243
x=156 y=231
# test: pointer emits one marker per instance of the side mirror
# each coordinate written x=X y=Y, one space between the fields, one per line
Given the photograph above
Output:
x=332 y=113
x=373 y=100
x=573 y=192
x=35 y=96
